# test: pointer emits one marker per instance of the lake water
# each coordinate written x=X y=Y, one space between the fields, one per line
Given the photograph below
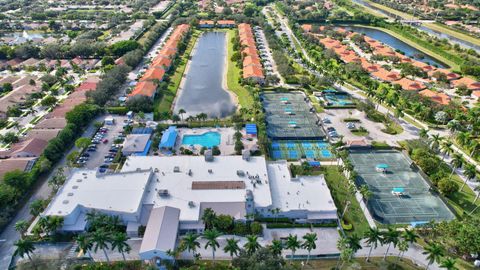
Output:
x=397 y=44
x=203 y=90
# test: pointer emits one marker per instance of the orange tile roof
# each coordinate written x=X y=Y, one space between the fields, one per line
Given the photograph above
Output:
x=206 y=22
x=468 y=82
x=161 y=62
x=153 y=74
x=251 y=60
x=450 y=75
x=226 y=22
x=439 y=98
x=385 y=75
x=252 y=71
x=145 y=88
x=410 y=85
x=307 y=27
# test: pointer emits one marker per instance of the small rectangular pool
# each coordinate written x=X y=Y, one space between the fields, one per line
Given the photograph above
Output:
x=207 y=139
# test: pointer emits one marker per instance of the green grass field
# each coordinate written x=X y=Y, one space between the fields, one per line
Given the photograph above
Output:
x=233 y=75
x=338 y=185
x=453 y=32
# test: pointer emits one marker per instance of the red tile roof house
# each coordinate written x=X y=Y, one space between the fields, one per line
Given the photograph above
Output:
x=144 y=88
x=206 y=24
x=450 y=75
x=162 y=62
x=439 y=98
x=226 y=23
x=385 y=75
x=153 y=74
x=307 y=28
x=12 y=164
x=410 y=85
x=253 y=72
x=467 y=82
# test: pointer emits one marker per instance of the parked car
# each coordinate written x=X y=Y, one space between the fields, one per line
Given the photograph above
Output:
x=105 y=141
x=326 y=120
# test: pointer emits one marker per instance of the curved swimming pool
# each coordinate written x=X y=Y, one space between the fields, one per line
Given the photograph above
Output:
x=207 y=139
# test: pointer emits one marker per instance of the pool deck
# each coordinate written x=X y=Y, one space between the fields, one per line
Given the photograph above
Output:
x=227 y=140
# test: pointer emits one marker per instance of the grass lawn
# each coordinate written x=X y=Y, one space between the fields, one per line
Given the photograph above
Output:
x=453 y=32
x=374 y=263
x=450 y=63
x=164 y=103
x=462 y=201
x=338 y=185
x=403 y=15
x=233 y=75
x=358 y=132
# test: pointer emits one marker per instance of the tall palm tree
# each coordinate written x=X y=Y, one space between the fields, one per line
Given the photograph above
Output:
x=449 y=264
x=24 y=247
x=309 y=244
x=457 y=162
x=293 y=244
x=101 y=239
x=477 y=188
x=252 y=244
x=423 y=133
x=410 y=236
x=473 y=147
x=276 y=247
x=190 y=243
x=374 y=237
x=84 y=244
x=354 y=243
x=21 y=227
x=208 y=218
x=470 y=172
x=232 y=247
x=211 y=237
x=446 y=149
x=435 y=141
x=366 y=193
x=390 y=237
x=402 y=247
x=434 y=253
x=119 y=242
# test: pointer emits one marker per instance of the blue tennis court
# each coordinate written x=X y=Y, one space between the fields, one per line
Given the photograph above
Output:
x=300 y=149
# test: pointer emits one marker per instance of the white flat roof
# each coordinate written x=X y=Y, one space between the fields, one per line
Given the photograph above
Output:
x=111 y=192
x=179 y=184
x=303 y=193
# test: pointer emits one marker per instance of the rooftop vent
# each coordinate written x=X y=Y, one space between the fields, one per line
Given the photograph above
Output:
x=70 y=194
x=210 y=171
x=163 y=193
x=65 y=202
x=189 y=173
x=176 y=169
x=156 y=170
x=240 y=173
x=75 y=187
x=79 y=180
x=191 y=204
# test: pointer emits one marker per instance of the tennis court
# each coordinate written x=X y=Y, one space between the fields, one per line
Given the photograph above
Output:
x=401 y=194
x=288 y=116
x=294 y=150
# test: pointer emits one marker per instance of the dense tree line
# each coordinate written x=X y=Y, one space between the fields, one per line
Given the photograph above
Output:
x=111 y=82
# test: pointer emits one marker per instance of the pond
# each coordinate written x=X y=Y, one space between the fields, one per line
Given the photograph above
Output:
x=397 y=44
x=203 y=89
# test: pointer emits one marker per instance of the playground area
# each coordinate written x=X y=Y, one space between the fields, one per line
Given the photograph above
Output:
x=400 y=193
x=289 y=117
x=294 y=150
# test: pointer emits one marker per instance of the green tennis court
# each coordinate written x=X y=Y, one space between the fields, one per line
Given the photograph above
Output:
x=415 y=203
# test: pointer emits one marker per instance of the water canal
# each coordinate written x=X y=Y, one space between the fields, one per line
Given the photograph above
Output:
x=203 y=88
x=397 y=44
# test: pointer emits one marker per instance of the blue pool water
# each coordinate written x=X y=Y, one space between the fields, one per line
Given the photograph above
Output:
x=339 y=100
x=208 y=139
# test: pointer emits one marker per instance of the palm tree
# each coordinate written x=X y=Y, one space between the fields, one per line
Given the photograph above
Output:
x=24 y=247
x=423 y=133
x=457 y=162
x=435 y=141
x=119 y=242
x=473 y=147
x=21 y=227
x=208 y=218
x=366 y=193
x=181 y=112
x=434 y=253
x=276 y=247
x=449 y=264
x=354 y=243
x=211 y=237
x=410 y=236
x=402 y=247
x=232 y=247
x=446 y=149
x=470 y=172
x=374 y=237
x=293 y=244
x=390 y=237
x=252 y=244
x=477 y=188
x=84 y=244
x=101 y=239
x=309 y=244
x=190 y=243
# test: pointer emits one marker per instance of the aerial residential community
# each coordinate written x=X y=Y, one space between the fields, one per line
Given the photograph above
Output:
x=263 y=134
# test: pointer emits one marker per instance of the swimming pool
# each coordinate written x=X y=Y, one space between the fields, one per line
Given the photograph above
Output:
x=339 y=99
x=208 y=139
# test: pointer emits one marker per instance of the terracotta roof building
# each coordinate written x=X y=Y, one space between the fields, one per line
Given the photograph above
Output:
x=410 y=85
x=439 y=98
x=144 y=88
x=471 y=84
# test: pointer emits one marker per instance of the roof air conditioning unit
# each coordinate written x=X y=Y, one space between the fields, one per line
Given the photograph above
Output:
x=191 y=204
x=163 y=193
x=176 y=169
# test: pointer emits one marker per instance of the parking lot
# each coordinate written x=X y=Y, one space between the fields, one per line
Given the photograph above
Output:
x=265 y=53
x=375 y=133
x=97 y=157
